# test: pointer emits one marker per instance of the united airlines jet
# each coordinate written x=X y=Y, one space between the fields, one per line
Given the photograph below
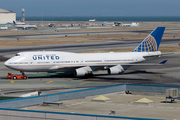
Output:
x=81 y=64
x=24 y=26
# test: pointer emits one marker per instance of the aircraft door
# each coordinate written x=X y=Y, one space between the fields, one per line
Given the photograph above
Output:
x=104 y=60
x=136 y=59
x=81 y=61
x=30 y=62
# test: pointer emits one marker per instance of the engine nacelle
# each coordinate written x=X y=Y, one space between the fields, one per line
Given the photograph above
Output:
x=82 y=71
x=116 y=69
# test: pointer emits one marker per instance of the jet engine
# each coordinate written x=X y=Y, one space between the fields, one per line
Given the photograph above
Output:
x=83 y=71
x=116 y=69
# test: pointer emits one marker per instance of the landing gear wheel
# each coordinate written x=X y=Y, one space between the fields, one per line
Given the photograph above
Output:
x=72 y=75
x=22 y=72
x=90 y=75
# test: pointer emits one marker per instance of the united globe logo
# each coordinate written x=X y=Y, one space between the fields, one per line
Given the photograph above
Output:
x=147 y=45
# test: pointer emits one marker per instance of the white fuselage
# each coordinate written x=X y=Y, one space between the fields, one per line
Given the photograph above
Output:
x=53 y=61
x=25 y=26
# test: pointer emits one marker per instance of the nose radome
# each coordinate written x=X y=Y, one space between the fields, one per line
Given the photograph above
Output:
x=6 y=63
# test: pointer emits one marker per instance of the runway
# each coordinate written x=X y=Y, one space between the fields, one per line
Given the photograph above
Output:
x=27 y=36
x=69 y=33
x=116 y=44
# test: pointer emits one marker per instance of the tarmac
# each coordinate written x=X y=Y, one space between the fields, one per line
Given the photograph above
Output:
x=47 y=83
x=167 y=74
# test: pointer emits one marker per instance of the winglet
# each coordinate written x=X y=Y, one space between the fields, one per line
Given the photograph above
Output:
x=163 y=62
x=151 y=42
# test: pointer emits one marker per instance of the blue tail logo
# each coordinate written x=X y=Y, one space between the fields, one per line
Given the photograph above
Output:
x=151 y=42
x=14 y=22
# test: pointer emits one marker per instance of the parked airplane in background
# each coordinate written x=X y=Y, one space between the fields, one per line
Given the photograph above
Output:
x=92 y=20
x=23 y=25
x=130 y=24
x=82 y=64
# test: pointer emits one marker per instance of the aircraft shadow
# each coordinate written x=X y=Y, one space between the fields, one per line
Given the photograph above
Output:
x=140 y=72
x=98 y=77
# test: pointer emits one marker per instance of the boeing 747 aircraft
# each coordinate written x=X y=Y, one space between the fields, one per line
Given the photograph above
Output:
x=81 y=64
x=24 y=26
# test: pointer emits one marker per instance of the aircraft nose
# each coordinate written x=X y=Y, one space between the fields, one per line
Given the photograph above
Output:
x=6 y=63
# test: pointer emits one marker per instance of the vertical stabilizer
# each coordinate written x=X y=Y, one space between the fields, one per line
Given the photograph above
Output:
x=151 y=42
x=14 y=22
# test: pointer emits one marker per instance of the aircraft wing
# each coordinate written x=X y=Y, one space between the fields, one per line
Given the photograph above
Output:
x=101 y=66
x=161 y=63
x=66 y=68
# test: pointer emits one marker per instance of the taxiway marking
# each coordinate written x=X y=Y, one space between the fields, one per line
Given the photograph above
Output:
x=50 y=82
x=85 y=82
x=178 y=61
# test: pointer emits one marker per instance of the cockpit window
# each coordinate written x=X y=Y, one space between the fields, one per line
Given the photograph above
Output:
x=17 y=55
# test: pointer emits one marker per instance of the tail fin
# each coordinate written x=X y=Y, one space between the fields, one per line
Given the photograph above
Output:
x=14 y=22
x=151 y=42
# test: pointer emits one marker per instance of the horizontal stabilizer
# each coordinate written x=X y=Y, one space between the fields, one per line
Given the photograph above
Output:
x=167 y=53
x=163 y=62
x=150 y=56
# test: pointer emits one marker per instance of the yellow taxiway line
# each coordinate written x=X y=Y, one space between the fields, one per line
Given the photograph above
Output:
x=85 y=82
x=50 y=82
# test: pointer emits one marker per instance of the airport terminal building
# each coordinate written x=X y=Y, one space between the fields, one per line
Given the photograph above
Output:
x=7 y=16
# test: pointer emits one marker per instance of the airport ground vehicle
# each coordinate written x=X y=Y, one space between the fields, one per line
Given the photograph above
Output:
x=15 y=76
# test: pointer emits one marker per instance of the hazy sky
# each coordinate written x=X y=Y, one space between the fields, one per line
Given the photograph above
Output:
x=93 y=7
